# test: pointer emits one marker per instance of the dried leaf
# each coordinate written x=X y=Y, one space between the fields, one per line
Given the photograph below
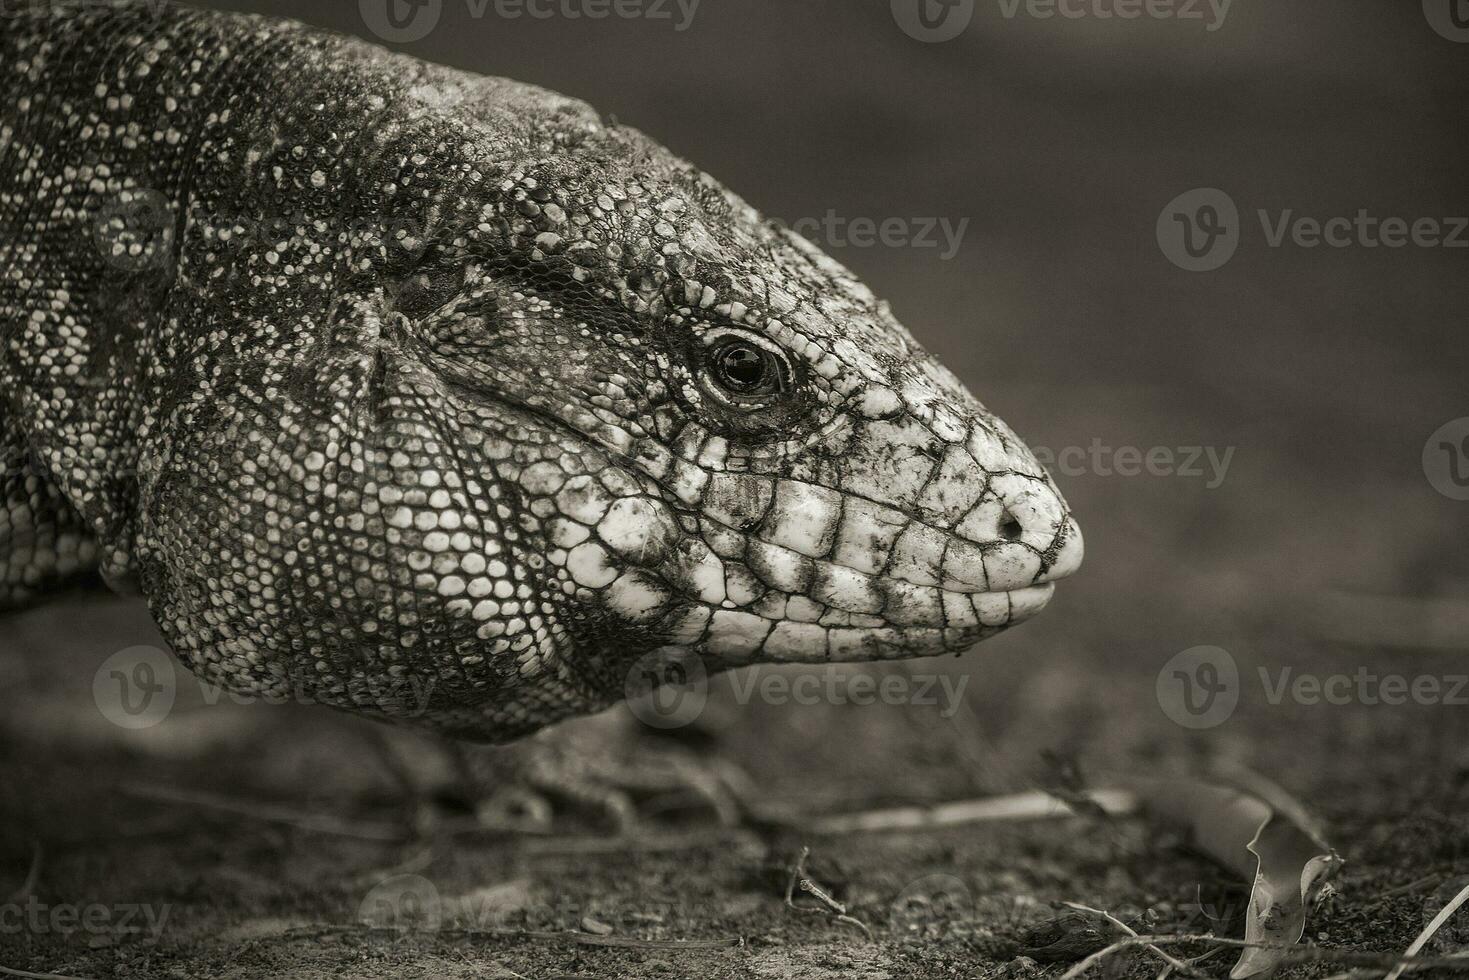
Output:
x=1259 y=832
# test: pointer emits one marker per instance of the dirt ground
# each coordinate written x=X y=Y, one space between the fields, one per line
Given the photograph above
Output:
x=242 y=841
x=139 y=825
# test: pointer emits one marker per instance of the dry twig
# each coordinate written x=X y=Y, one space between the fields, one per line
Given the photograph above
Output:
x=829 y=904
x=8 y=972
x=1292 y=953
x=1173 y=962
x=1033 y=805
x=1443 y=916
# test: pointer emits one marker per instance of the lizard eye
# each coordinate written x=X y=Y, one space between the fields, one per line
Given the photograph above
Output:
x=746 y=372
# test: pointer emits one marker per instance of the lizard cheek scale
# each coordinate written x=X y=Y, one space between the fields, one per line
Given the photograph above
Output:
x=898 y=537
x=376 y=376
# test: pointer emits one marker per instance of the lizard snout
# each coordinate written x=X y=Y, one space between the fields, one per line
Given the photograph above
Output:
x=1021 y=534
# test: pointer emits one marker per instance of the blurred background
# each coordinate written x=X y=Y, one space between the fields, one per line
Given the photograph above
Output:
x=1321 y=374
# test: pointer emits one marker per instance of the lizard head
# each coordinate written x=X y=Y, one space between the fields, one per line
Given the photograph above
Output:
x=715 y=436
x=565 y=402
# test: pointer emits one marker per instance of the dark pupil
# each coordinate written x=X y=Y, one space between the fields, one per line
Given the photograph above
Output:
x=743 y=368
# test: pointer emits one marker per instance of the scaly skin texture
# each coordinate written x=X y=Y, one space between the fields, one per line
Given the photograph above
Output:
x=364 y=370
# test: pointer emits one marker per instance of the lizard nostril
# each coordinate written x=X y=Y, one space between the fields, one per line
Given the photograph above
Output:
x=1010 y=528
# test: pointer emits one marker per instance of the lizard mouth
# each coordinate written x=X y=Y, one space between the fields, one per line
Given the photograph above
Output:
x=968 y=618
x=961 y=620
x=989 y=613
x=1030 y=600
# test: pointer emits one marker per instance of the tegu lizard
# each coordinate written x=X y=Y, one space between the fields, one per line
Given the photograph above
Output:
x=360 y=369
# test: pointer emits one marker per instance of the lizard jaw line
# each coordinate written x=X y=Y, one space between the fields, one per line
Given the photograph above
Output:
x=890 y=641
